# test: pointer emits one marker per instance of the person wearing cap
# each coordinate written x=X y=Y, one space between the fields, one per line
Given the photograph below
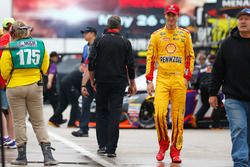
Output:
x=231 y=71
x=22 y=68
x=111 y=63
x=171 y=48
x=7 y=114
x=87 y=91
x=51 y=78
x=69 y=92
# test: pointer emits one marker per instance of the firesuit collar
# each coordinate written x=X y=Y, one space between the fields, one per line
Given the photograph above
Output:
x=171 y=30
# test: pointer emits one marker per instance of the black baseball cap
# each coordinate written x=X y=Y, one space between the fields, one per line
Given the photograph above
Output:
x=53 y=54
x=88 y=29
x=245 y=11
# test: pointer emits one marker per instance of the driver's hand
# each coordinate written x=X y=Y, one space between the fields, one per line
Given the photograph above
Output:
x=150 y=88
x=213 y=100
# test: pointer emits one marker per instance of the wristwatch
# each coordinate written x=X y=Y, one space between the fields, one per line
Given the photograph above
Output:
x=148 y=81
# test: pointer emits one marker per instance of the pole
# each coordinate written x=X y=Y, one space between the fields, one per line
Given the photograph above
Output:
x=1 y=129
x=2 y=147
x=1 y=118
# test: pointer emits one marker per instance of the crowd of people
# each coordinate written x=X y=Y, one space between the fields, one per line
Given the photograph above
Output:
x=28 y=71
x=106 y=69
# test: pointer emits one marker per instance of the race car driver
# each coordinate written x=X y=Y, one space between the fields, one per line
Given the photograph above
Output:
x=171 y=48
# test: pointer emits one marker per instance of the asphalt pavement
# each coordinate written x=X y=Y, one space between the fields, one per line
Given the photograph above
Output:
x=136 y=148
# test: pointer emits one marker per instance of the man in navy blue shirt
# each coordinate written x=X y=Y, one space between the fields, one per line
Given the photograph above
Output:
x=87 y=90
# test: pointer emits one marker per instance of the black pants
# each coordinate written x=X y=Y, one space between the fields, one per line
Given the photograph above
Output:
x=52 y=97
x=205 y=103
x=109 y=98
x=217 y=113
x=67 y=95
x=86 y=103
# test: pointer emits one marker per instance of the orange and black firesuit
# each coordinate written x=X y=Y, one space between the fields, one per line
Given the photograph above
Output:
x=172 y=51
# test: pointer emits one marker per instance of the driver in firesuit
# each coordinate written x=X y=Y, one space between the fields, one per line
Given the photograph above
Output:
x=171 y=48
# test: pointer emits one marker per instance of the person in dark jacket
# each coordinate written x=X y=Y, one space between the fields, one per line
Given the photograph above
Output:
x=51 y=78
x=70 y=88
x=203 y=82
x=110 y=64
x=231 y=70
x=87 y=91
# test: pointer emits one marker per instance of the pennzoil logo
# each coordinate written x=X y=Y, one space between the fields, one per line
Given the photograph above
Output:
x=171 y=48
x=171 y=59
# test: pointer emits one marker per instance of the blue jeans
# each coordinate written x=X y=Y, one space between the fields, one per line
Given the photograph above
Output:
x=248 y=132
x=237 y=112
x=86 y=104
x=4 y=100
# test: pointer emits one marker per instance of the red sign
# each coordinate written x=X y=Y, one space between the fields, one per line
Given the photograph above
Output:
x=142 y=3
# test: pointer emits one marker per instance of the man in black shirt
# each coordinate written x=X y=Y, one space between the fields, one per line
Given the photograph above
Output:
x=231 y=70
x=110 y=64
